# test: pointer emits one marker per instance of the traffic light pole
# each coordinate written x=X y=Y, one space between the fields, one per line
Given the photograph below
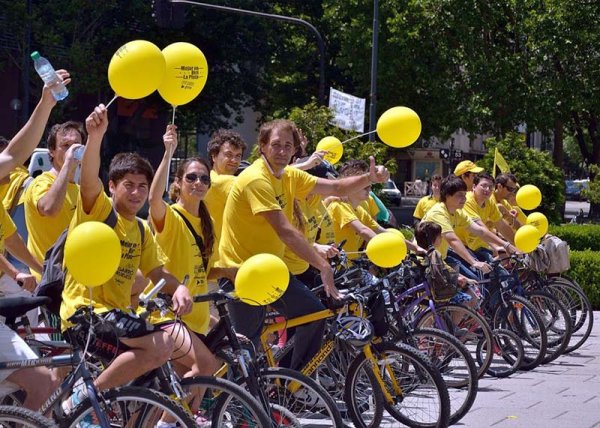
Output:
x=289 y=19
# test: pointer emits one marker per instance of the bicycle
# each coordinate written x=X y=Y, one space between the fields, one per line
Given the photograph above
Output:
x=115 y=407
x=13 y=416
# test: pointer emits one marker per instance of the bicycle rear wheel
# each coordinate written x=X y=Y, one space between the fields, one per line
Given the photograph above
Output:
x=12 y=416
x=131 y=406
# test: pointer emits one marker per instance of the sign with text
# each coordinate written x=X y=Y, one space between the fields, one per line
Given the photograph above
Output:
x=349 y=110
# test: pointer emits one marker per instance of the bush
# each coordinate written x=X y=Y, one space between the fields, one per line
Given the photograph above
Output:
x=579 y=236
x=584 y=270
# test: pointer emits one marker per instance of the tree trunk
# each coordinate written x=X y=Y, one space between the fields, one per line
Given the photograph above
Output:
x=594 y=160
x=558 y=152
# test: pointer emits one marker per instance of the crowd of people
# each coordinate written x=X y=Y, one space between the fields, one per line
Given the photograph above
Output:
x=285 y=203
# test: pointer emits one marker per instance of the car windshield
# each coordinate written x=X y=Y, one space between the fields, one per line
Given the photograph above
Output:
x=389 y=185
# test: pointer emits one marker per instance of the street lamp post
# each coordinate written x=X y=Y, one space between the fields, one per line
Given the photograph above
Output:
x=306 y=24
x=373 y=97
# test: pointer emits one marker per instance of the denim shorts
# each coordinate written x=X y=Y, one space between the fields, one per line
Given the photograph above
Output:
x=461 y=297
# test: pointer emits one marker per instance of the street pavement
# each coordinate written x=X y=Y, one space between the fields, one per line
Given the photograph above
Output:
x=564 y=393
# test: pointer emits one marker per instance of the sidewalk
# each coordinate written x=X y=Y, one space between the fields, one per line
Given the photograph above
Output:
x=564 y=393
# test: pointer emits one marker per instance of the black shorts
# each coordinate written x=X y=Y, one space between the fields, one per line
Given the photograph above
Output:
x=110 y=328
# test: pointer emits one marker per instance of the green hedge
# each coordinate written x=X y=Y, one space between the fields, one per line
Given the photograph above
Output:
x=579 y=236
x=585 y=270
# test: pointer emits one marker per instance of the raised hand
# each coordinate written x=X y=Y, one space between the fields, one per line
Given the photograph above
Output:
x=377 y=173
x=170 y=139
x=96 y=123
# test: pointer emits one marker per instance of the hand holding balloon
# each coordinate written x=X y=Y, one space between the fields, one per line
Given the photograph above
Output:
x=96 y=123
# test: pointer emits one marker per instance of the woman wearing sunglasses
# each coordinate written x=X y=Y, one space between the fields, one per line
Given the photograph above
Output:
x=185 y=233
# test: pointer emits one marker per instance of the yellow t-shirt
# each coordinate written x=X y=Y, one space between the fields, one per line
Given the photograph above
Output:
x=7 y=227
x=9 y=191
x=312 y=219
x=327 y=230
x=343 y=213
x=449 y=222
x=185 y=258
x=116 y=293
x=43 y=230
x=424 y=205
x=489 y=214
x=256 y=190
x=520 y=214
x=220 y=186
x=370 y=206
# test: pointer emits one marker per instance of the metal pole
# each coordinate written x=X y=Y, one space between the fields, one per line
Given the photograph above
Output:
x=320 y=43
x=373 y=97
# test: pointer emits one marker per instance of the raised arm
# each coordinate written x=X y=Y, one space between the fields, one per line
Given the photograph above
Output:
x=90 y=184
x=348 y=185
x=157 y=205
x=28 y=137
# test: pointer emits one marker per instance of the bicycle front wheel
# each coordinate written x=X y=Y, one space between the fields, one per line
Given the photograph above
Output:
x=227 y=404
x=131 y=406
x=418 y=396
x=12 y=416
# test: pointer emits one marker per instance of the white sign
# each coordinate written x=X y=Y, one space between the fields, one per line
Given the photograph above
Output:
x=349 y=110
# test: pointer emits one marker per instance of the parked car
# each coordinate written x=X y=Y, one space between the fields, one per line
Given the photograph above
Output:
x=573 y=189
x=391 y=192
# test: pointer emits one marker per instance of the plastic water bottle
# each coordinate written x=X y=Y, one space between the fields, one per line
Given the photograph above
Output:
x=49 y=76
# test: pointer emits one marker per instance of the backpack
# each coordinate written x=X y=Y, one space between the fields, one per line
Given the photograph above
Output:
x=442 y=279
x=53 y=275
x=538 y=259
x=558 y=254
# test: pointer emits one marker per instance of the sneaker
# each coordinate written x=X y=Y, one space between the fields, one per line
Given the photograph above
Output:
x=202 y=421
x=163 y=424
x=73 y=401
x=460 y=332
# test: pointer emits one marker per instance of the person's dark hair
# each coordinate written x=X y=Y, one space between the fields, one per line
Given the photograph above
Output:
x=61 y=128
x=505 y=177
x=129 y=163
x=426 y=233
x=451 y=185
x=483 y=176
x=353 y=167
x=220 y=137
x=264 y=134
x=436 y=177
x=3 y=143
x=208 y=230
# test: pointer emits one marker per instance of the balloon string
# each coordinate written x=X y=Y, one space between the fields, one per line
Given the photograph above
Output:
x=173 y=119
x=354 y=252
x=358 y=136
x=111 y=101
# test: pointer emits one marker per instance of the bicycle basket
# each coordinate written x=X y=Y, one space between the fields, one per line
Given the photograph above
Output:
x=441 y=278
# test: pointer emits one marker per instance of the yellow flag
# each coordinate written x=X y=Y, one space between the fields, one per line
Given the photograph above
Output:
x=501 y=162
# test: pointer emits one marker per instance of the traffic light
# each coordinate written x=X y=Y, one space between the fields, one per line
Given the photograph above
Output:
x=444 y=153
x=167 y=14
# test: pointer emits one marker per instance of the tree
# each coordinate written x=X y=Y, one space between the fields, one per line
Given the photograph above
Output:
x=530 y=167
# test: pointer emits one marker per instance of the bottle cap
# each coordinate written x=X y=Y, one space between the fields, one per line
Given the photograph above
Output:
x=35 y=55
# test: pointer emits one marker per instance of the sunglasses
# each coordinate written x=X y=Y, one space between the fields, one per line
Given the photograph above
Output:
x=192 y=178
x=510 y=189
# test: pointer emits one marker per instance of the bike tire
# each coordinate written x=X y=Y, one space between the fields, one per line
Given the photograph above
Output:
x=364 y=399
x=475 y=326
x=455 y=364
x=520 y=316
x=127 y=403
x=557 y=321
x=22 y=417
x=419 y=394
x=508 y=353
x=227 y=404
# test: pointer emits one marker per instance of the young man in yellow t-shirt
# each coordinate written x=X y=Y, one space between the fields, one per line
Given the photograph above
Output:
x=426 y=202
x=504 y=196
x=51 y=197
x=258 y=219
x=146 y=346
x=466 y=170
x=449 y=215
x=482 y=210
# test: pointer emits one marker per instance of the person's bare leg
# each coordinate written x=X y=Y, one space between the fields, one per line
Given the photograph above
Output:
x=37 y=382
x=147 y=353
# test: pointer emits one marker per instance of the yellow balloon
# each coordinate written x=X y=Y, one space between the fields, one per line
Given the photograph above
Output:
x=527 y=238
x=529 y=197
x=387 y=249
x=334 y=148
x=399 y=127
x=394 y=230
x=92 y=253
x=261 y=280
x=186 y=73
x=539 y=221
x=136 y=69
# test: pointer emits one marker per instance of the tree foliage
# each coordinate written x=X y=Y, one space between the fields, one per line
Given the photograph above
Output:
x=530 y=166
